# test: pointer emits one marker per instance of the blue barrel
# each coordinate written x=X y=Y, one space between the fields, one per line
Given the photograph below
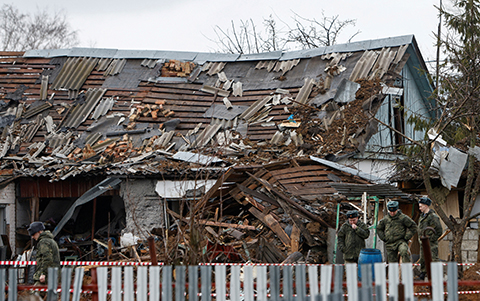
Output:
x=368 y=256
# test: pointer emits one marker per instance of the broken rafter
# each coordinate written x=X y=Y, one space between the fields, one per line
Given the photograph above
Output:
x=210 y=223
x=299 y=208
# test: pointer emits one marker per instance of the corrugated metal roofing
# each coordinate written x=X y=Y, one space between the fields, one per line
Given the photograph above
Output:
x=266 y=56
x=379 y=190
x=74 y=73
x=180 y=104
x=81 y=111
x=223 y=57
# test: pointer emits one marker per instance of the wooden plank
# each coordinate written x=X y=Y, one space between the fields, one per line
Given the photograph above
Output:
x=272 y=223
x=258 y=195
x=299 y=208
x=300 y=169
x=295 y=238
x=212 y=190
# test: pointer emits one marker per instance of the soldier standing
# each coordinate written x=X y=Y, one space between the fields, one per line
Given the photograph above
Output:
x=351 y=237
x=428 y=218
x=48 y=255
x=396 y=229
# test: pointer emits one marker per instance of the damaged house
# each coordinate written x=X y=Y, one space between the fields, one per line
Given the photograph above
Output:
x=99 y=142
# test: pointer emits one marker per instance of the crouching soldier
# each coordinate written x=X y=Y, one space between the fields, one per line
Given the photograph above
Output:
x=396 y=229
x=351 y=237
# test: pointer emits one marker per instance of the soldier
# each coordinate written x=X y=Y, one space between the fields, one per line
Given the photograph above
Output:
x=351 y=237
x=48 y=255
x=396 y=229
x=428 y=218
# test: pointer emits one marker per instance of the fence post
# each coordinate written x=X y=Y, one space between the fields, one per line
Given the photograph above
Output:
x=167 y=283
x=300 y=281
x=452 y=284
x=436 y=269
x=116 y=283
x=12 y=284
x=102 y=283
x=220 y=282
x=338 y=283
x=247 y=282
x=274 y=283
x=325 y=281
x=179 y=283
x=154 y=282
x=2 y=284
x=261 y=283
x=393 y=281
x=380 y=281
x=313 y=281
x=152 y=250
x=77 y=284
x=287 y=283
x=352 y=281
x=67 y=281
x=365 y=292
x=193 y=283
x=52 y=284
x=407 y=280
x=142 y=281
x=129 y=293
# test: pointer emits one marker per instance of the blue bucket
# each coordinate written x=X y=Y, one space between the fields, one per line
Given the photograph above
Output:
x=368 y=256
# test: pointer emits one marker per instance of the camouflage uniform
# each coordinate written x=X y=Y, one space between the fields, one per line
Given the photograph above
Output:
x=396 y=231
x=351 y=241
x=48 y=255
x=429 y=220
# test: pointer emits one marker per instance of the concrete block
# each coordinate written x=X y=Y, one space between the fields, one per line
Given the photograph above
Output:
x=470 y=245
x=449 y=236
x=464 y=255
x=470 y=234
x=472 y=257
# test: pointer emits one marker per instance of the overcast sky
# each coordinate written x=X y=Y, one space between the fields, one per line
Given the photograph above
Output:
x=187 y=25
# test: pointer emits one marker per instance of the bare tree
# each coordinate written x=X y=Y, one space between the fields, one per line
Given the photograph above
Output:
x=278 y=35
x=42 y=30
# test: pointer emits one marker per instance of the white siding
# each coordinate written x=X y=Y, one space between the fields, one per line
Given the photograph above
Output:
x=414 y=105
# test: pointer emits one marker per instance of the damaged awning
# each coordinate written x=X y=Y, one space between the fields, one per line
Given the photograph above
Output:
x=99 y=189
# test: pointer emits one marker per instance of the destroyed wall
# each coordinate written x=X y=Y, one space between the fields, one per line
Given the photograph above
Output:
x=143 y=207
x=7 y=199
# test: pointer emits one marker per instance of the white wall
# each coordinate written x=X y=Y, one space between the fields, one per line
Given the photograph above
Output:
x=7 y=197
x=379 y=168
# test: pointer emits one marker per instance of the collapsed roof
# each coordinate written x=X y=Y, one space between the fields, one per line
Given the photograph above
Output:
x=77 y=111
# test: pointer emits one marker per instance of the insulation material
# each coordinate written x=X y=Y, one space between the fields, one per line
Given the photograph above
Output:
x=237 y=89
x=451 y=167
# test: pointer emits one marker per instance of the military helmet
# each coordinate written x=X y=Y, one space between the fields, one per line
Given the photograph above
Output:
x=352 y=213
x=392 y=206
x=425 y=200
